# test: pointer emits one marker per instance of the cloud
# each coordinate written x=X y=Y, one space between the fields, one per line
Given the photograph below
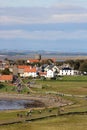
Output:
x=68 y=7
x=43 y=35
x=64 y=18
x=55 y=18
x=55 y=14
x=8 y=20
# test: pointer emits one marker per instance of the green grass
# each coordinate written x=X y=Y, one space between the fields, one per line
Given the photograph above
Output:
x=12 y=114
x=6 y=87
x=76 y=122
x=10 y=88
x=79 y=88
x=74 y=85
x=67 y=84
x=74 y=78
x=79 y=105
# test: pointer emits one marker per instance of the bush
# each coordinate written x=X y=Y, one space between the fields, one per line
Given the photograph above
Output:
x=1 y=86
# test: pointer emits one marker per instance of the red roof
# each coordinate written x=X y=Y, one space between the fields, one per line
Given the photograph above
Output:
x=42 y=73
x=27 y=68
x=30 y=69
x=6 y=77
x=23 y=66
x=32 y=60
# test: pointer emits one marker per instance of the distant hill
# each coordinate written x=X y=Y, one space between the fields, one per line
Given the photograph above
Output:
x=48 y=54
x=26 y=52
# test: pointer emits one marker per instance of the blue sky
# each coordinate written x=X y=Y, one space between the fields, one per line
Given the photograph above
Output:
x=59 y=25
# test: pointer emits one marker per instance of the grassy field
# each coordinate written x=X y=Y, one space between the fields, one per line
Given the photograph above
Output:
x=74 y=78
x=67 y=84
x=74 y=85
x=76 y=122
x=10 y=88
x=68 y=87
x=11 y=115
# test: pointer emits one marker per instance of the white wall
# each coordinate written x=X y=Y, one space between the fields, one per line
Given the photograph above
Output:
x=28 y=74
x=50 y=74
x=66 y=72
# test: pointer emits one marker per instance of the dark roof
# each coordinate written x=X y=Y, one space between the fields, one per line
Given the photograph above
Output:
x=66 y=68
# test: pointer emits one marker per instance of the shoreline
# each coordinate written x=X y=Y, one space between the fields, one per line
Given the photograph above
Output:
x=43 y=100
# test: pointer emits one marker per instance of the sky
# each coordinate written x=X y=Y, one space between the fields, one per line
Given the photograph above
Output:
x=52 y=25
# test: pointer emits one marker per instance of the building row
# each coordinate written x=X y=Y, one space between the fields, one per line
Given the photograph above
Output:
x=45 y=70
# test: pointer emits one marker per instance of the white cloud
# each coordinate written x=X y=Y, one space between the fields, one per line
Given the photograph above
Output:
x=54 y=18
x=43 y=35
x=12 y=20
x=68 y=6
x=77 y=18
x=61 y=13
x=10 y=34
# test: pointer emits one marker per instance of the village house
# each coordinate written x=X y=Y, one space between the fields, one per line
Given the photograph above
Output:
x=21 y=68
x=27 y=71
x=66 y=71
x=43 y=74
x=50 y=73
x=47 y=71
x=52 y=67
x=6 y=78
x=33 y=61
x=3 y=65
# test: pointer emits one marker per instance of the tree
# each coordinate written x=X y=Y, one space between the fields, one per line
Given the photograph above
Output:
x=76 y=65
x=1 y=86
x=83 y=67
x=5 y=71
x=70 y=62
x=20 y=62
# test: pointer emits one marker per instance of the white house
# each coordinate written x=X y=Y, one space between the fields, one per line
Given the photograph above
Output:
x=32 y=71
x=50 y=74
x=66 y=71
x=53 y=67
x=27 y=71
x=47 y=74
x=29 y=74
